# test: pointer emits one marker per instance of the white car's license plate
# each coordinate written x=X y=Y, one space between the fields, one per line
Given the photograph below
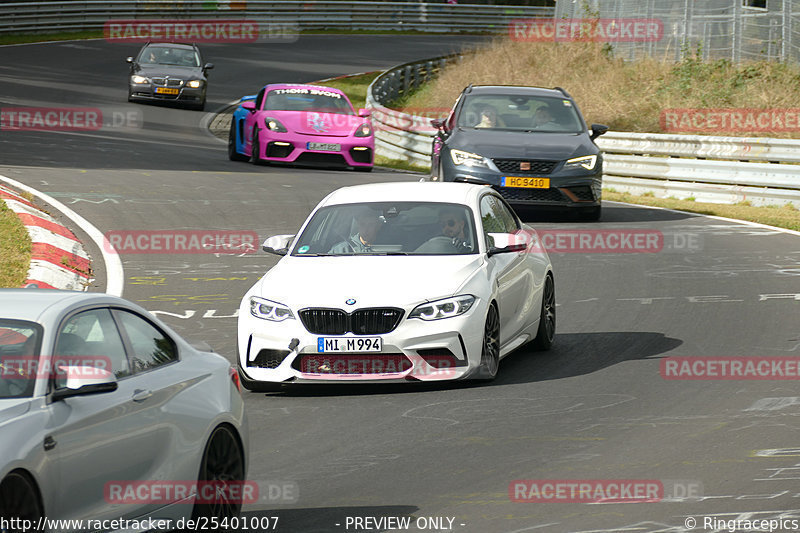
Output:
x=349 y=344
x=324 y=147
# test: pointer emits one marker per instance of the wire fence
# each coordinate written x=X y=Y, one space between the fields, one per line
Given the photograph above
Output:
x=737 y=30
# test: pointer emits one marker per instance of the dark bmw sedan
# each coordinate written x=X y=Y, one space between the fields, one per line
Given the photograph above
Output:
x=530 y=144
x=169 y=72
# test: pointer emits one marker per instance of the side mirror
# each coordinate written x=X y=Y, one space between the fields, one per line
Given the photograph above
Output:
x=249 y=105
x=129 y=59
x=208 y=66
x=364 y=113
x=503 y=243
x=278 y=244
x=438 y=124
x=84 y=380
x=598 y=130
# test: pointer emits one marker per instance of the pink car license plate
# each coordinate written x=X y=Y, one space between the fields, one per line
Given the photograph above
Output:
x=324 y=147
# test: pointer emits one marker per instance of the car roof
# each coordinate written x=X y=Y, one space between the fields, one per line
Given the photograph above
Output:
x=414 y=191
x=172 y=45
x=517 y=89
x=273 y=86
x=30 y=304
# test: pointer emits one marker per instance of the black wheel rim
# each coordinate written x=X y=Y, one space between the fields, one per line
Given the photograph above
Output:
x=222 y=464
x=18 y=499
x=491 y=342
x=549 y=308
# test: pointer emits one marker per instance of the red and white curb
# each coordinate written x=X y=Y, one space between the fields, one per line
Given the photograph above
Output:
x=58 y=260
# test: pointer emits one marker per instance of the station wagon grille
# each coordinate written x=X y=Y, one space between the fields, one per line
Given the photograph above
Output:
x=371 y=321
x=525 y=166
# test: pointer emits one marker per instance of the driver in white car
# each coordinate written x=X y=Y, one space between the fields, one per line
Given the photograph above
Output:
x=367 y=227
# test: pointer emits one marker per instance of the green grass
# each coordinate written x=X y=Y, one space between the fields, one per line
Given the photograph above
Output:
x=43 y=37
x=786 y=216
x=15 y=249
x=355 y=87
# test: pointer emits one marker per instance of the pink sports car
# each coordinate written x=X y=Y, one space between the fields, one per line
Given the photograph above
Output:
x=301 y=124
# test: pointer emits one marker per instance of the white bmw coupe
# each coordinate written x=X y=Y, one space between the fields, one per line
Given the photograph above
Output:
x=398 y=282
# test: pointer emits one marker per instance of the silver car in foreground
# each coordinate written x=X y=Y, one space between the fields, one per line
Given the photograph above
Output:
x=97 y=397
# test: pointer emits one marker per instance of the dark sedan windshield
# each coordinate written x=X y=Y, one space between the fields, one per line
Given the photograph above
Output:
x=511 y=112
x=389 y=228
x=164 y=55
x=20 y=343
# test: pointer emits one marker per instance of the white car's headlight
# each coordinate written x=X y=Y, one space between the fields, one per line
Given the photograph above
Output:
x=588 y=162
x=195 y=84
x=460 y=157
x=269 y=310
x=139 y=79
x=449 y=307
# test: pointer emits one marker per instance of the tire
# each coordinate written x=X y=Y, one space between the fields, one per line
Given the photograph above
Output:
x=233 y=155
x=19 y=498
x=222 y=462
x=254 y=156
x=591 y=213
x=546 y=334
x=490 y=351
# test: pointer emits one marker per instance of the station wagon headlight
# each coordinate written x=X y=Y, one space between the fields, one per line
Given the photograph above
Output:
x=139 y=79
x=588 y=162
x=274 y=125
x=195 y=84
x=460 y=157
x=449 y=307
x=269 y=310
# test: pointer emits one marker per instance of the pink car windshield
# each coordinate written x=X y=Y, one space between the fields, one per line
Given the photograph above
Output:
x=303 y=99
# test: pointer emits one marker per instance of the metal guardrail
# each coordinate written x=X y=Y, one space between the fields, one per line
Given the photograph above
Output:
x=762 y=171
x=89 y=15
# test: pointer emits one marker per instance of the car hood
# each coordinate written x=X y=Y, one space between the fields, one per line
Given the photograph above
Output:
x=315 y=123
x=13 y=408
x=173 y=71
x=521 y=145
x=373 y=281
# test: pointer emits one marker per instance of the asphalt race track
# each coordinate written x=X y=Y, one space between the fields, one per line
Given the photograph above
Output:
x=593 y=408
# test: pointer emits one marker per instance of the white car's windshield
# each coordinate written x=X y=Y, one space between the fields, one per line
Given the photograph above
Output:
x=519 y=113
x=19 y=358
x=307 y=99
x=389 y=228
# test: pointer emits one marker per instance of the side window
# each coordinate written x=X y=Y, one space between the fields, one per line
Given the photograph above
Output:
x=152 y=348
x=91 y=338
x=490 y=219
x=509 y=220
x=260 y=98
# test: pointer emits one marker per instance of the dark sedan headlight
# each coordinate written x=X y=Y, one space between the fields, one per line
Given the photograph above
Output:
x=274 y=124
x=269 y=310
x=447 y=308
x=139 y=80
x=588 y=162
x=194 y=84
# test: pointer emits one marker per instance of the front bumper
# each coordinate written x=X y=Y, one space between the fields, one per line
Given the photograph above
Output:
x=294 y=148
x=417 y=350
x=148 y=92
x=572 y=189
